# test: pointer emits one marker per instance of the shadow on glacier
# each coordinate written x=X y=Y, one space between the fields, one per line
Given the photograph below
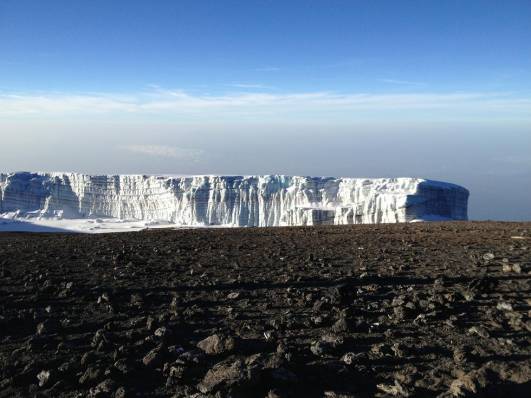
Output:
x=438 y=201
x=27 y=226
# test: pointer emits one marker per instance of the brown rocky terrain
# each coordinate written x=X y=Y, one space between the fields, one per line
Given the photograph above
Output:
x=435 y=309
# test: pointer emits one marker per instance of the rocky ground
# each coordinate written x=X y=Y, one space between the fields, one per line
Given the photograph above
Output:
x=423 y=310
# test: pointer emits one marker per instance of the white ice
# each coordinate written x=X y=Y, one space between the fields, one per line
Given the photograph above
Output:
x=87 y=203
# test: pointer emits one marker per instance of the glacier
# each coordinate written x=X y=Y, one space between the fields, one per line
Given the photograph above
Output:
x=239 y=201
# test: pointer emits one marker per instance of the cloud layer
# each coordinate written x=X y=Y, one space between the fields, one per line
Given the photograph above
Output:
x=165 y=151
x=257 y=106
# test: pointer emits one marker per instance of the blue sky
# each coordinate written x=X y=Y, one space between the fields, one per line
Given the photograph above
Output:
x=283 y=46
x=198 y=86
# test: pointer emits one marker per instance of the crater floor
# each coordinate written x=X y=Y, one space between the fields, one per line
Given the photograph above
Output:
x=432 y=309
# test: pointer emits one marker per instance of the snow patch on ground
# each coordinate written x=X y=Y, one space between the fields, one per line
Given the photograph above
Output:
x=78 y=225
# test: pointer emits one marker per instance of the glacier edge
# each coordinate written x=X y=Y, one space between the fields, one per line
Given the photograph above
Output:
x=266 y=200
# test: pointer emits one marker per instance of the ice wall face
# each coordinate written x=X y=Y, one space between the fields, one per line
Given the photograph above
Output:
x=270 y=200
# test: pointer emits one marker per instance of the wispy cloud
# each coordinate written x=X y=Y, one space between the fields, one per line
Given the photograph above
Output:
x=402 y=82
x=165 y=151
x=258 y=106
x=251 y=86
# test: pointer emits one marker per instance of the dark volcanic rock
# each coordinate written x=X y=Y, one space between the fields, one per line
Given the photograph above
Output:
x=413 y=310
x=90 y=376
x=45 y=377
x=49 y=326
x=227 y=374
x=103 y=389
x=154 y=357
x=216 y=344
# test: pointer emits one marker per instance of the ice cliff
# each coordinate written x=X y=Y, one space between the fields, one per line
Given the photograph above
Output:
x=269 y=200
